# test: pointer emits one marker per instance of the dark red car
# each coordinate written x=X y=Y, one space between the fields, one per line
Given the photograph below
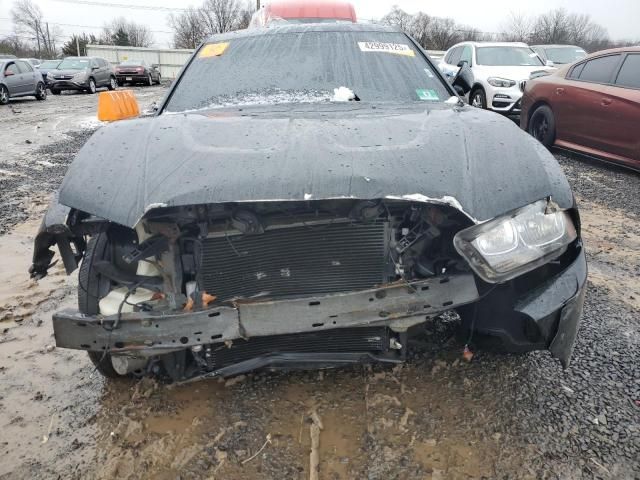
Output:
x=592 y=107
x=304 y=11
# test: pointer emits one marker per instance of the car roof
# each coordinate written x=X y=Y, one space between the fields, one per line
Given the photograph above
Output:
x=615 y=50
x=557 y=45
x=492 y=44
x=280 y=28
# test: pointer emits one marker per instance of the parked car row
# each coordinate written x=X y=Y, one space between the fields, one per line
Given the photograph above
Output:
x=564 y=98
x=592 y=107
x=31 y=77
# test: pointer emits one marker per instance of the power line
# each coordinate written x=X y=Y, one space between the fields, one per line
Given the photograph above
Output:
x=122 y=5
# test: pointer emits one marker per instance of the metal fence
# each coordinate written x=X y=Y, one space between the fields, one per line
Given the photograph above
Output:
x=170 y=61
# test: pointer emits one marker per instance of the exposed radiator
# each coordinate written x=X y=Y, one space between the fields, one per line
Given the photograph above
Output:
x=342 y=340
x=293 y=261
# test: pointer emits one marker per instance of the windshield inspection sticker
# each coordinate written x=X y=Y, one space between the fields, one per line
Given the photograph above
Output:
x=427 y=94
x=396 y=48
x=213 y=50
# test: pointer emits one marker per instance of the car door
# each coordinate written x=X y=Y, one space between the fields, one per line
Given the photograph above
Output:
x=624 y=139
x=106 y=71
x=13 y=79
x=28 y=75
x=581 y=102
x=449 y=68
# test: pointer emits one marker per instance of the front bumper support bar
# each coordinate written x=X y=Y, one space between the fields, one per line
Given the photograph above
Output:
x=397 y=303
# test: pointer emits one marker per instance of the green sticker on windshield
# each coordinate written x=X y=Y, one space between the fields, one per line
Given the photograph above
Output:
x=427 y=94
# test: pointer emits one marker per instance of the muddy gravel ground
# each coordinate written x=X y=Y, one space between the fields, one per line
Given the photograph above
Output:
x=435 y=417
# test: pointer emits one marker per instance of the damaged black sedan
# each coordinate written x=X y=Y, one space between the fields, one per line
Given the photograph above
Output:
x=303 y=197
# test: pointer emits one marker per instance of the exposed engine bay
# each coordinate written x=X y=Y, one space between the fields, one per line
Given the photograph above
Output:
x=225 y=288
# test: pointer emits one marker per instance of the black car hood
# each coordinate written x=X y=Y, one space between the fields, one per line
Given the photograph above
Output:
x=475 y=160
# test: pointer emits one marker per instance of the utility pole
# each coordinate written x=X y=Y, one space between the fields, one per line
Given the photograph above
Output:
x=78 y=45
x=50 y=53
x=257 y=4
x=38 y=38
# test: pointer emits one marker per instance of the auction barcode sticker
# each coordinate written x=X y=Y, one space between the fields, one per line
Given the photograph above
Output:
x=397 y=48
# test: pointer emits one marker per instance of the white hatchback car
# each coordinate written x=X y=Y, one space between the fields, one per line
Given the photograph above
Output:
x=500 y=71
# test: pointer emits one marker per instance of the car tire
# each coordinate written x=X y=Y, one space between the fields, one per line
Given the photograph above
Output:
x=113 y=84
x=92 y=86
x=478 y=98
x=90 y=286
x=55 y=91
x=149 y=80
x=41 y=91
x=4 y=95
x=542 y=126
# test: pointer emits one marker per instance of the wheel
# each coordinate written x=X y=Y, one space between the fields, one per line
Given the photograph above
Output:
x=478 y=98
x=113 y=84
x=41 y=91
x=4 y=95
x=92 y=86
x=55 y=91
x=542 y=126
x=91 y=288
x=149 y=80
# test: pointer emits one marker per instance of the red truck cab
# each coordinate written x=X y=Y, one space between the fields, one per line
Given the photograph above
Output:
x=299 y=11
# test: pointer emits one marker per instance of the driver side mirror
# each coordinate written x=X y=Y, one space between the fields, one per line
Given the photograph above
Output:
x=155 y=66
x=94 y=68
x=462 y=63
x=8 y=73
x=549 y=63
x=463 y=81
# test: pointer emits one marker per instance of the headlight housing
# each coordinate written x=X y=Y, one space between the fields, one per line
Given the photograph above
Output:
x=509 y=246
x=79 y=77
x=501 y=82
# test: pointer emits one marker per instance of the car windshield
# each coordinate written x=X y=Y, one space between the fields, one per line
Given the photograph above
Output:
x=74 y=64
x=50 y=64
x=304 y=67
x=564 y=54
x=505 y=56
x=131 y=63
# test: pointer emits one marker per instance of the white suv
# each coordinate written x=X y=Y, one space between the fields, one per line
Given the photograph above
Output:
x=500 y=72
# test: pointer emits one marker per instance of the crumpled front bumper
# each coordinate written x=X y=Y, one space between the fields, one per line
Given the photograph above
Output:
x=398 y=305
x=546 y=317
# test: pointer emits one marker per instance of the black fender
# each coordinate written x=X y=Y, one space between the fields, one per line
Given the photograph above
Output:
x=55 y=229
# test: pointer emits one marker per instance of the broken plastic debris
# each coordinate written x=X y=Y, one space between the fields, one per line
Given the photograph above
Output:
x=343 y=94
x=207 y=299
x=467 y=354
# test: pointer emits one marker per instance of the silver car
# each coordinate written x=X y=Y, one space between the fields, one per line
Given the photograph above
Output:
x=18 y=78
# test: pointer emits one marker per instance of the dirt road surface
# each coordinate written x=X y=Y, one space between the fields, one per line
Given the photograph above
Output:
x=435 y=417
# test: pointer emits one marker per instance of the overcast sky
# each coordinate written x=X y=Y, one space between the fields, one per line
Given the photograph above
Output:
x=620 y=17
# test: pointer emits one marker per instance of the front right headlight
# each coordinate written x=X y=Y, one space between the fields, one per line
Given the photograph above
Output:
x=500 y=82
x=509 y=246
x=80 y=77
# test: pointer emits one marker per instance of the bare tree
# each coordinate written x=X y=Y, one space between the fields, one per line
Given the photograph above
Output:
x=221 y=16
x=443 y=33
x=517 y=28
x=552 y=27
x=420 y=28
x=14 y=45
x=398 y=18
x=28 y=20
x=189 y=29
x=123 y=32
